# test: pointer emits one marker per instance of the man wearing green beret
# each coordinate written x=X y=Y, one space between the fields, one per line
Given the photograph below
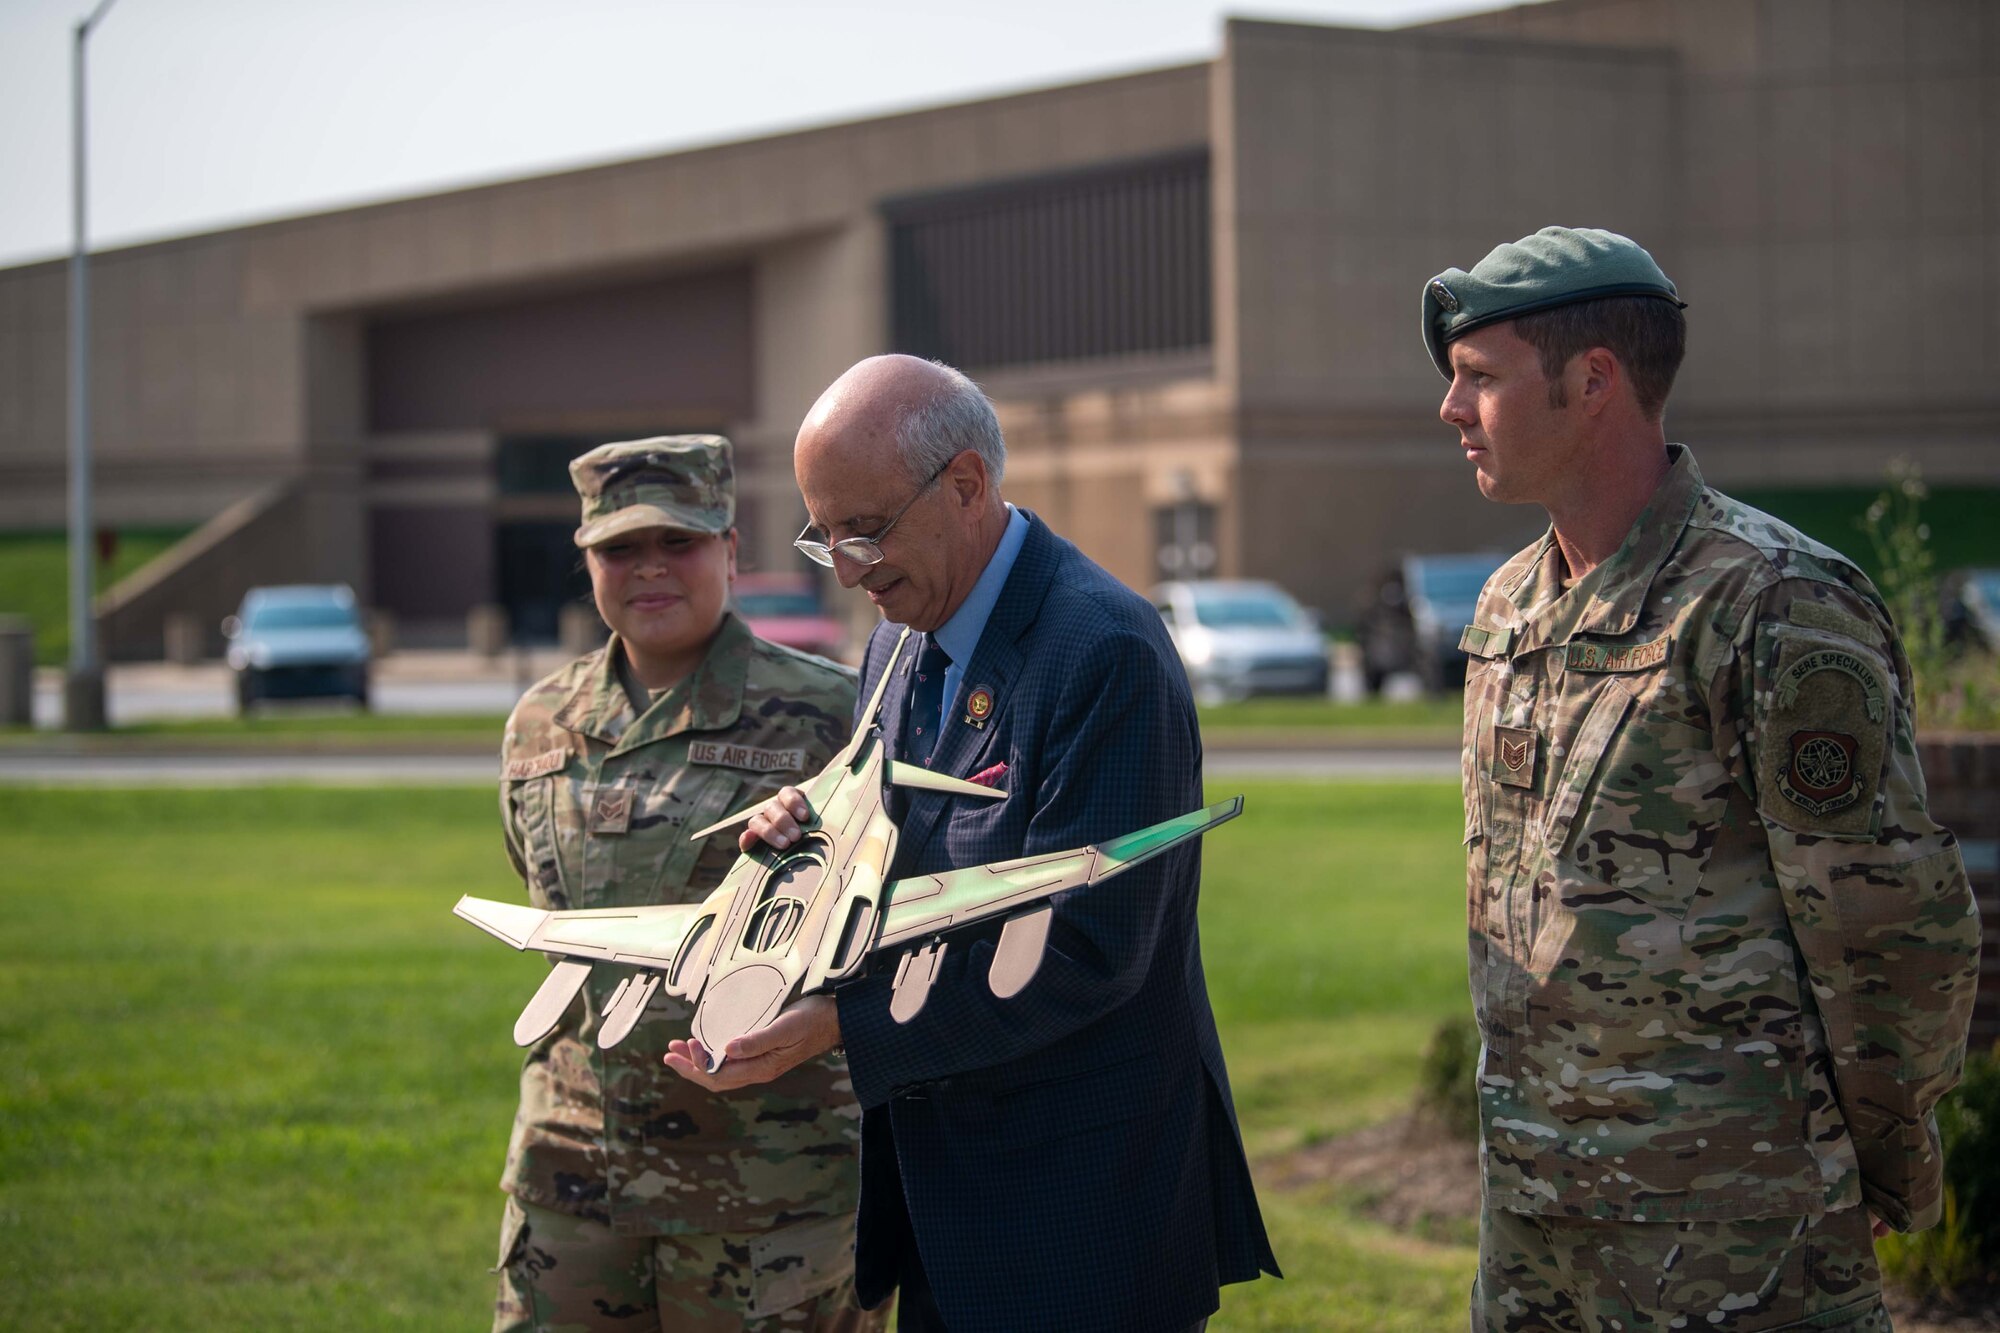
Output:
x=1723 y=960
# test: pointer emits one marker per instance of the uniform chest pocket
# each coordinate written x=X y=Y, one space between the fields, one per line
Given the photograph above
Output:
x=654 y=858
x=1639 y=801
x=715 y=799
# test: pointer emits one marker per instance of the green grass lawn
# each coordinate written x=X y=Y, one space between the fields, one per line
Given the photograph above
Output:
x=259 y=1078
x=1442 y=716
x=34 y=579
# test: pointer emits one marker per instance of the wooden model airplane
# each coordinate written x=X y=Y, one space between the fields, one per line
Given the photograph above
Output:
x=793 y=922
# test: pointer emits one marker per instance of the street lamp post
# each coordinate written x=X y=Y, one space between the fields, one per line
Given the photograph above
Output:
x=83 y=688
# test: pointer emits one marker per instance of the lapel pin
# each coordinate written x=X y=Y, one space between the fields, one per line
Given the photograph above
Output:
x=979 y=706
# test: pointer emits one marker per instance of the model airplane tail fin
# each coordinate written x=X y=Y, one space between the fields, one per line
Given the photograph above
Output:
x=881 y=686
x=510 y=923
x=1123 y=853
x=848 y=756
x=914 y=775
x=740 y=817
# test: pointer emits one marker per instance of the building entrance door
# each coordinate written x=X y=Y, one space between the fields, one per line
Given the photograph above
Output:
x=540 y=570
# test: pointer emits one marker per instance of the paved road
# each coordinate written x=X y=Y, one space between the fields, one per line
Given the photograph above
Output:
x=337 y=770
x=160 y=695
x=421 y=681
x=240 y=770
x=456 y=682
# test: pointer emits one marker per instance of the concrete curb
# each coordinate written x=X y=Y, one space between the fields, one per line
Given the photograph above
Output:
x=63 y=746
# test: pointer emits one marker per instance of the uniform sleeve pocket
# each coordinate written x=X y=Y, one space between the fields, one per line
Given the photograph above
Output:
x=534 y=801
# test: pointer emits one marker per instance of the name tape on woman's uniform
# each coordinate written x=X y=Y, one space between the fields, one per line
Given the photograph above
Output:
x=745 y=756
x=534 y=766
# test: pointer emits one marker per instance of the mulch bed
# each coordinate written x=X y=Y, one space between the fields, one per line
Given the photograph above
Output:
x=1408 y=1174
x=1978 y=1312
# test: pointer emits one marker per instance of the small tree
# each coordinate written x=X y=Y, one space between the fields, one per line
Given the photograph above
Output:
x=1954 y=691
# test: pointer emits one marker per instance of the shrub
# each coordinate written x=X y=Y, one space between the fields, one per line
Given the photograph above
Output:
x=1964 y=1248
x=1448 y=1082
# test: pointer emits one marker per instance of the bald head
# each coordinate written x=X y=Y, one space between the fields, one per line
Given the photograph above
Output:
x=903 y=409
x=897 y=431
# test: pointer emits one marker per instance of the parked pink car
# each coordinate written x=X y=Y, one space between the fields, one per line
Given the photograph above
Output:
x=785 y=608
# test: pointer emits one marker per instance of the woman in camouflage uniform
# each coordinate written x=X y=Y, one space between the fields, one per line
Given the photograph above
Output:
x=636 y=1199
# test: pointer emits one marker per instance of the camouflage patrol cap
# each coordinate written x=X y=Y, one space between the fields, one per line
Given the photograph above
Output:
x=669 y=481
x=1556 y=266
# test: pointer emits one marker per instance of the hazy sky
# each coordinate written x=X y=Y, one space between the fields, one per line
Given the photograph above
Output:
x=206 y=113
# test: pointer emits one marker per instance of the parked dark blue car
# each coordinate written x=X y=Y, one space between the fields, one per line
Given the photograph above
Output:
x=1413 y=618
x=296 y=642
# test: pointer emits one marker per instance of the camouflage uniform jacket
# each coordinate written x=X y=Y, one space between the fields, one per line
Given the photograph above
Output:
x=597 y=805
x=1722 y=959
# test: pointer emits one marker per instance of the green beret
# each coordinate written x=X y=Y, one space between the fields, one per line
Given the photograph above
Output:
x=1556 y=266
x=669 y=481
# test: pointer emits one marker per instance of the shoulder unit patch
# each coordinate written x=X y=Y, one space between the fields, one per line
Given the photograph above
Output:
x=1822 y=734
x=1818 y=775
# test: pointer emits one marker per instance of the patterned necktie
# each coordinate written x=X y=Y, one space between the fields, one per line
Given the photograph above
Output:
x=926 y=702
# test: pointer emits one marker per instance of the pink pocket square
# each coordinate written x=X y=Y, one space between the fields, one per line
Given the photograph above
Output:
x=989 y=777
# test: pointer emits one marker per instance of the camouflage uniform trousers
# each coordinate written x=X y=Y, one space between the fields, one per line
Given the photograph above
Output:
x=1746 y=1275
x=566 y=1274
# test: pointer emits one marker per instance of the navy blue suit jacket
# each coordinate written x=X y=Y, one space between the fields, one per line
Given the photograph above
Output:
x=1067 y=1158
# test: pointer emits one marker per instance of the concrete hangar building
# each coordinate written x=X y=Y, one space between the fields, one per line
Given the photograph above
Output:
x=1193 y=293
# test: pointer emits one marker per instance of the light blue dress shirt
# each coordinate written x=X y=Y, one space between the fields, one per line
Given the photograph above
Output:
x=959 y=636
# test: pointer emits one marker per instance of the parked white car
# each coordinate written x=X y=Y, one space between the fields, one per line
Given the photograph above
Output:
x=1239 y=637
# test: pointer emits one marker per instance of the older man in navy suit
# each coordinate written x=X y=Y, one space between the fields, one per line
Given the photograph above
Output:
x=1067 y=1158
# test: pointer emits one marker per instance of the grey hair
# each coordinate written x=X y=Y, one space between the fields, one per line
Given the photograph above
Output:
x=960 y=418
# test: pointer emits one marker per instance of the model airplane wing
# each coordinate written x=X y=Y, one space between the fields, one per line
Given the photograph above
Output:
x=923 y=906
x=640 y=936
x=649 y=938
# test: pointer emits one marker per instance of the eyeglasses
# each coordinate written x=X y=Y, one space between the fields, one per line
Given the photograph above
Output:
x=863 y=550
